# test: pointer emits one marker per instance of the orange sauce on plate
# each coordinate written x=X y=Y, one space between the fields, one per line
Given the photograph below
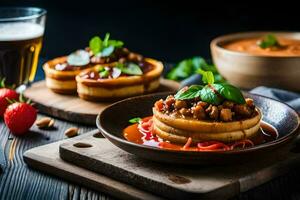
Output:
x=134 y=134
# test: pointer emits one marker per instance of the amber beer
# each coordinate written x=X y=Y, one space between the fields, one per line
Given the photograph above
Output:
x=20 y=45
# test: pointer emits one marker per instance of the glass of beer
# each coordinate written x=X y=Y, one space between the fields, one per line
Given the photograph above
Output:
x=21 y=35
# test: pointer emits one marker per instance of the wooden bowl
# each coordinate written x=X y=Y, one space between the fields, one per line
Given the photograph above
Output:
x=248 y=71
x=114 y=119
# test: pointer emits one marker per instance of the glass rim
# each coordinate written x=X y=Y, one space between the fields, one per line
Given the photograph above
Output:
x=38 y=13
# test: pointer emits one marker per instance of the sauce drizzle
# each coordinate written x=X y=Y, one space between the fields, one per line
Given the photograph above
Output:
x=143 y=133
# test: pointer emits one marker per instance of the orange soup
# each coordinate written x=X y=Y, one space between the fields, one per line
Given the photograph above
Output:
x=288 y=47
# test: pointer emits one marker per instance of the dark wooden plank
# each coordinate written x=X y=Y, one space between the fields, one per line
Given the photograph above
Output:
x=20 y=182
x=46 y=158
x=71 y=107
x=205 y=182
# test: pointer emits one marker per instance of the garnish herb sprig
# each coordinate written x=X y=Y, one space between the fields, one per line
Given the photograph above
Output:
x=213 y=93
x=135 y=120
x=105 y=47
x=190 y=66
x=130 y=68
x=268 y=41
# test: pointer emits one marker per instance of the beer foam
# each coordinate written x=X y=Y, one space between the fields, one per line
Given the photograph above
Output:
x=20 y=31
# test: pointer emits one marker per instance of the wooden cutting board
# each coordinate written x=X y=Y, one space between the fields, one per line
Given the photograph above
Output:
x=71 y=107
x=46 y=158
x=178 y=182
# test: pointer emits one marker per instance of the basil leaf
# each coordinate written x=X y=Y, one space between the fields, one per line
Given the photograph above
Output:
x=190 y=66
x=79 y=58
x=207 y=76
x=95 y=45
x=104 y=74
x=190 y=93
x=268 y=41
x=135 y=120
x=208 y=95
x=130 y=68
x=100 y=68
x=104 y=48
x=107 y=51
x=181 y=71
x=198 y=63
x=115 y=43
x=106 y=39
x=230 y=92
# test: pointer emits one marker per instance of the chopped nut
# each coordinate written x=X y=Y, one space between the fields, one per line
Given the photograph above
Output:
x=97 y=59
x=208 y=109
x=228 y=104
x=203 y=104
x=51 y=123
x=243 y=110
x=71 y=132
x=249 y=102
x=198 y=112
x=169 y=101
x=135 y=57
x=180 y=104
x=214 y=113
x=122 y=60
x=185 y=112
x=226 y=115
x=45 y=122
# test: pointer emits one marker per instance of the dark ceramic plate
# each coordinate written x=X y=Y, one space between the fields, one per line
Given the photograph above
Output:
x=114 y=119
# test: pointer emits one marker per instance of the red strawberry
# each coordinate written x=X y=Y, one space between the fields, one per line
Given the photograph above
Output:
x=4 y=94
x=19 y=117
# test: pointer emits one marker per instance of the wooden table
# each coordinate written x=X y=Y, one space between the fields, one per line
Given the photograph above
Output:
x=20 y=182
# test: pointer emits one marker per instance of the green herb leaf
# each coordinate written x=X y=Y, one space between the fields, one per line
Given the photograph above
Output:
x=181 y=71
x=268 y=41
x=104 y=48
x=106 y=39
x=190 y=66
x=208 y=95
x=130 y=68
x=95 y=45
x=107 y=51
x=135 y=120
x=207 y=76
x=104 y=74
x=100 y=68
x=229 y=92
x=190 y=93
x=115 y=43
x=2 y=82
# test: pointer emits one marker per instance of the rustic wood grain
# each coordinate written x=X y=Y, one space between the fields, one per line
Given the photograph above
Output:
x=46 y=158
x=198 y=182
x=20 y=182
x=71 y=107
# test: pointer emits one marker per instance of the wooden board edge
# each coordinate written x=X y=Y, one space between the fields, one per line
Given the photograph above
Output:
x=88 y=119
x=226 y=191
x=114 y=188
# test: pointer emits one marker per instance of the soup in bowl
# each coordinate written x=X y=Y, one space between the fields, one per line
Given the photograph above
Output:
x=253 y=59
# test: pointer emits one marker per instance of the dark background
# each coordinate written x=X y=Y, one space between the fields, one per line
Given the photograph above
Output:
x=166 y=30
